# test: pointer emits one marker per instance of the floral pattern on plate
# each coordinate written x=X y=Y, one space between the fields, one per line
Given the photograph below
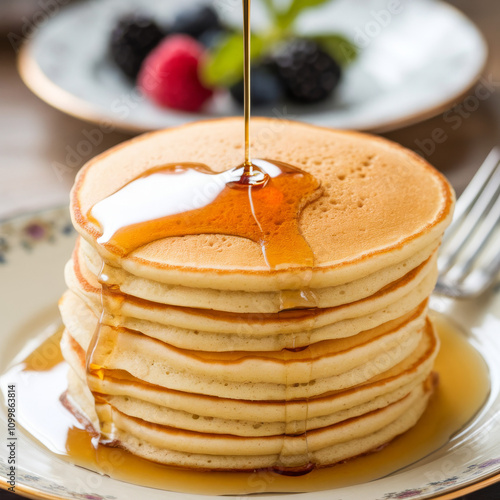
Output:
x=27 y=232
x=41 y=484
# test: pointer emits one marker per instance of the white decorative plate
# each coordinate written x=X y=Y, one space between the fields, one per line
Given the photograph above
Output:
x=415 y=61
x=33 y=250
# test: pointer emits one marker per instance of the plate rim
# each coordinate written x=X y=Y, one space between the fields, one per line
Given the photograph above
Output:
x=34 y=493
x=43 y=87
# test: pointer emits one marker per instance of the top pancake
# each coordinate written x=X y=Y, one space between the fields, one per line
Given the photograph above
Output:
x=381 y=204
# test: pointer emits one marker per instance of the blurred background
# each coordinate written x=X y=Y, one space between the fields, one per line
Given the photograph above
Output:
x=418 y=72
x=42 y=148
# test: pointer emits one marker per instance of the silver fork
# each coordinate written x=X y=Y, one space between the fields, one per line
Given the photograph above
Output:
x=469 y=261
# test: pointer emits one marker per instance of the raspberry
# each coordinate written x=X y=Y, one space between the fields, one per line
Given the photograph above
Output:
x=169 y=75
x=307 y=71
x=132 y=39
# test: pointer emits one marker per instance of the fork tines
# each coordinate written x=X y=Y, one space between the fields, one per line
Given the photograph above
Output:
x=470 y=255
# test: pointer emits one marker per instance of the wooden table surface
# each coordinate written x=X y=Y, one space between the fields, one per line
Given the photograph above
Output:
x=35 y=138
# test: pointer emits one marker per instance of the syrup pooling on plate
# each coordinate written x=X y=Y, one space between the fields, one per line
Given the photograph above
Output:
x=41 y=378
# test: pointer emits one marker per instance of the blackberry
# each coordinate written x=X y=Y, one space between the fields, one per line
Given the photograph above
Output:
x=196 y=21
x=265 y=88
x=210 y=39
x=132 y=39
x=308 y=73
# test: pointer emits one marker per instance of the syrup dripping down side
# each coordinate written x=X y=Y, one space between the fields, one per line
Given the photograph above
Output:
x=266 y=213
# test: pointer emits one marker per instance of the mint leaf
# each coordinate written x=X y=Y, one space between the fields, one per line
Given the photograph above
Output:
x=286 y=18
x=338 y=46
x=224 y=66
x=271 y=8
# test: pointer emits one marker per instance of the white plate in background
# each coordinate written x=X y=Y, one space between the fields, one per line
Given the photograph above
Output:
x=415 y=61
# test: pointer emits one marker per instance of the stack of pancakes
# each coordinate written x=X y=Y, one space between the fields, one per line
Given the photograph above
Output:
x=202 y=364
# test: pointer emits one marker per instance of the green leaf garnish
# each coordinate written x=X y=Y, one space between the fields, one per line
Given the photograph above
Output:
x=224 y=66
x=339 y=47
x=286 y=18
x=271 y=8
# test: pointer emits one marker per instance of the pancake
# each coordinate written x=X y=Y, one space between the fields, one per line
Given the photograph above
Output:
x=82 y=324
x=368 y=183
x=407 y=374
x=332 y=365
x=168 y=443
x=242 y=301
x=396 y=299
x=127 y=412
x=341 y=440
x=222 y=461
x=192 y=351
x=76 y=311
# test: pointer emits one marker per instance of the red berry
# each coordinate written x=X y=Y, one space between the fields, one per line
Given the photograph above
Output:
x=169 y=75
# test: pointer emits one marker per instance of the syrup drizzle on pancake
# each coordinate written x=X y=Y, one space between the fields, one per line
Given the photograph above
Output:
x=187 y=199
